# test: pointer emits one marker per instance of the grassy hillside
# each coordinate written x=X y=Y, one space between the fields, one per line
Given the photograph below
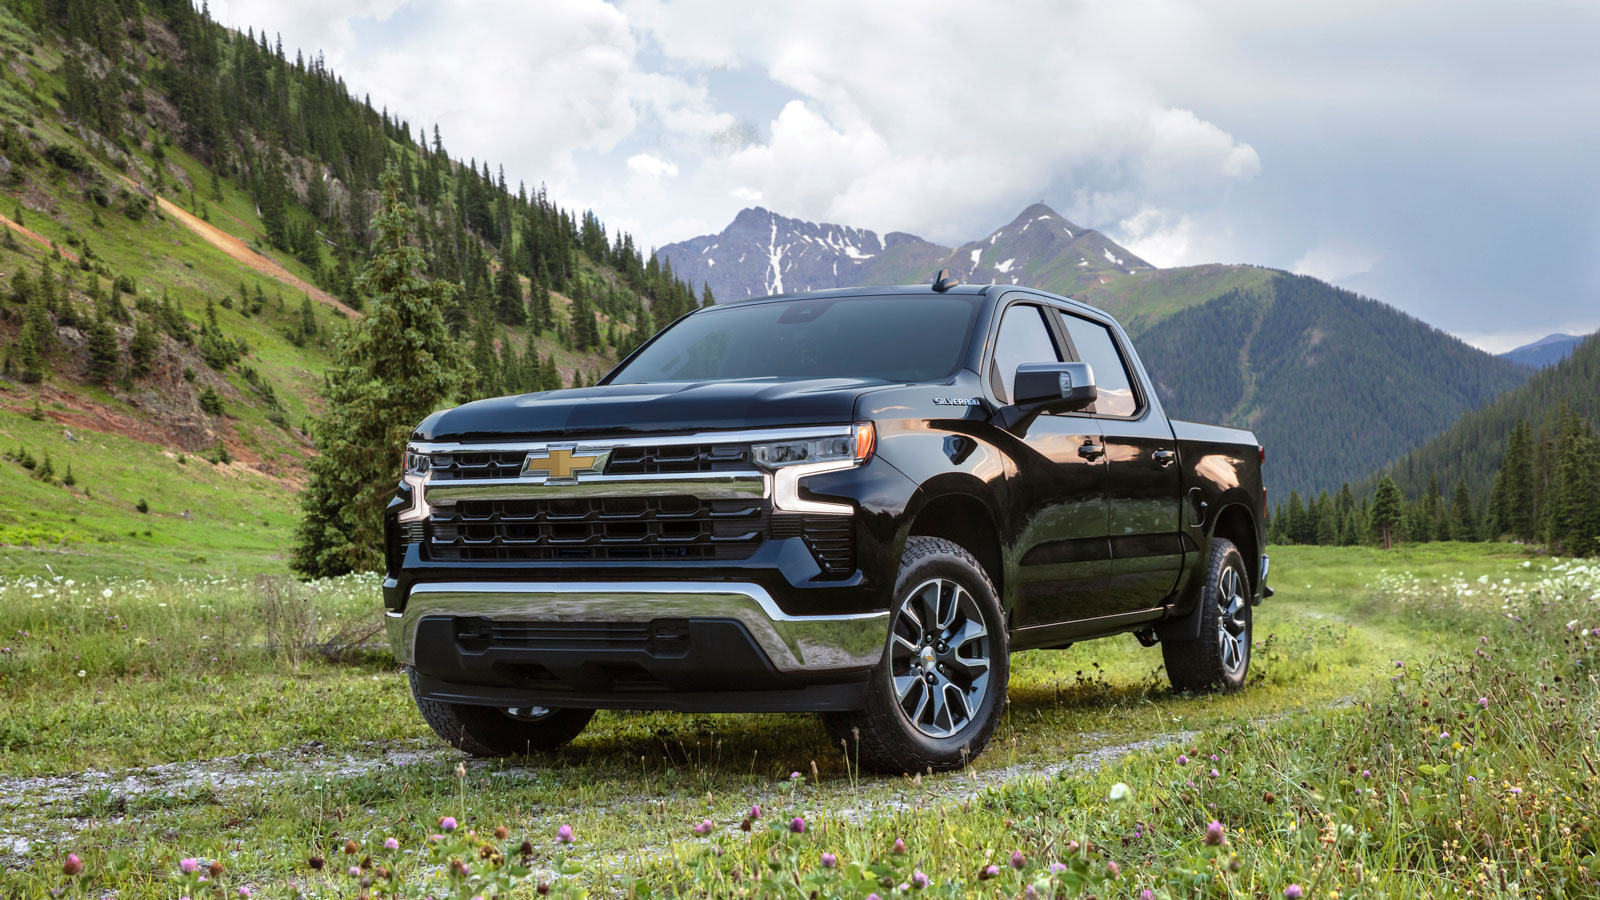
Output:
x=159 y=173
x=1331 y=382
x=1141 y=300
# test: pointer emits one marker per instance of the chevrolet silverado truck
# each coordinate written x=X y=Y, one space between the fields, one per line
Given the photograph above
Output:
x=853 y=502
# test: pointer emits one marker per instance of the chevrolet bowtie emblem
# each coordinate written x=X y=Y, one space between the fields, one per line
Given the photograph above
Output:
x=563 y=465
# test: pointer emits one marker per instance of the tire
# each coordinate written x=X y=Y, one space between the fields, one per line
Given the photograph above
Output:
x=1219 y=658
x=488 y=731
x=932 y=706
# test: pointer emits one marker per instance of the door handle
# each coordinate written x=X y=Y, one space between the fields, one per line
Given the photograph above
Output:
x=1164 y=458
x=1091 y=451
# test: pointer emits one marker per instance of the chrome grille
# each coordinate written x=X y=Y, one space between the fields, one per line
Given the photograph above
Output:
x=477 y=464
x=678 y=458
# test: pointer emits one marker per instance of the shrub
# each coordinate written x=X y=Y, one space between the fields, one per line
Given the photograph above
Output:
x=142 y=506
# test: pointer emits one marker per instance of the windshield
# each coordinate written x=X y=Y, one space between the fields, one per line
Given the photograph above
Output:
x=903 y=338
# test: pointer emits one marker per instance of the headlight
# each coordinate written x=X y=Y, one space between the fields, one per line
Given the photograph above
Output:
x=857 y=446
x=415 y=463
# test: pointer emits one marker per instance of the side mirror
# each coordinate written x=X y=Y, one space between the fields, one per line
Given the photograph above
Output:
x=1054 y=386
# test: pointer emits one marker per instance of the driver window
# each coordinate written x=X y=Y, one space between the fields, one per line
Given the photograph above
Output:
x=1024 y=338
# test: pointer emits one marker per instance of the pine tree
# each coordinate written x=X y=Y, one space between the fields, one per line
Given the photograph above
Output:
x=103 y=356
x=705 y=296
x=1463 y=527
x=142 y=349
x=35 y=340
x=308 y=319
x=1388 y=511
x=1517 y=468
x=1575 y=495
x=393 y=368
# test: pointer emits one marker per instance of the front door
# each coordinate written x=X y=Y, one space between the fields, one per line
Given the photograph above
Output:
x=1144 y=492
x=1057 y=493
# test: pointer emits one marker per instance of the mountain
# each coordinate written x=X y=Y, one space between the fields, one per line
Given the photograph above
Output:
x=762 y=253
x=1332 y=383
x=1473 y=445
x=184 y=210
x=1548 y=350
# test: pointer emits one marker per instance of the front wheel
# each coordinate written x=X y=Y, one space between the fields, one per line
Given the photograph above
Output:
x=936 y=695
x=1220 y=656
x=490 y=731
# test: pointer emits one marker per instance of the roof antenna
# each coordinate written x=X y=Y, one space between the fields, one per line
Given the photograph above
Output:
x=943 y=282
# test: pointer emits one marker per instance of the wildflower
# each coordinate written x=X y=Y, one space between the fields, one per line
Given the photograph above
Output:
x=351 y=848
x=355 y=872
x=1030 y=892
x=501 y=832
x=794 y=776
x=1113 y=870
x=315 y=862
x=447 y=823
x=244 y=892
x=391 y=844
x=1214 y=836
x=1183 y=760
x=82 y=673
x=435 y=838
x=1120 y=793
x=1213 y=773
x=215 y=868
x=1293 y=892
x=704 y=827
x=920 y=880
x=1366 y=773
x=1444 y=735
x=899 y=847
x=188 y=865
x=797 y=825
x=564 y=834
x=73 y=865
x=106 y=593
x=829 y=860
x=1399 y=664
x=1018 y=860
x=1057 y=868
x=1483 y=702
x=1147 y=894
x=989 y=871
x=755 y=811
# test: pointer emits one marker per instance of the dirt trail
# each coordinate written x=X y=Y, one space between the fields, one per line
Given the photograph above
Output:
x=35 y=236
x=237 y=249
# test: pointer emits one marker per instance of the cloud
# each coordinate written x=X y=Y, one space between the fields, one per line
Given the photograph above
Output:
x=1336 y=261
x=1446 y=143
x=651 y=167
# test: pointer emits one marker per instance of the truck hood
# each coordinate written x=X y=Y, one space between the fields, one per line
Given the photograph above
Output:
x=651 y=408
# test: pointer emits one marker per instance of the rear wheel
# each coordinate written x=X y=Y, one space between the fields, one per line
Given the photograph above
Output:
x=936 y=695
x=1219 y=658
x=491 y=731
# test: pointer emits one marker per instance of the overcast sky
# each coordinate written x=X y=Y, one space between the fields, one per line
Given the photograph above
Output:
x=1442 y=157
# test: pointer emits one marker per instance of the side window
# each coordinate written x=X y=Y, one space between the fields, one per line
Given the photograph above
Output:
x=1024 y=338
x=1096 y=347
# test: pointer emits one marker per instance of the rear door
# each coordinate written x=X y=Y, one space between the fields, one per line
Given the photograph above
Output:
x=1057 y=493
x=1143 y=481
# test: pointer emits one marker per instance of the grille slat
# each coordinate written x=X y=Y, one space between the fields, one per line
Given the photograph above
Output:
x=641 y=528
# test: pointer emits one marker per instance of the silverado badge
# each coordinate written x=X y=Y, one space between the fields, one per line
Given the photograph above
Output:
x=563 y=464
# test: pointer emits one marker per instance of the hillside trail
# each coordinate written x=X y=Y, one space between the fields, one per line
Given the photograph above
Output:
x=36 y=237
x=242 y=253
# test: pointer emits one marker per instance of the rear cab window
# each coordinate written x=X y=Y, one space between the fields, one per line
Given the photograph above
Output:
x=1096 y=346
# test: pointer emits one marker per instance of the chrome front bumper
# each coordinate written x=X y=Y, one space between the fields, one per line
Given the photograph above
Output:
x=794 y=644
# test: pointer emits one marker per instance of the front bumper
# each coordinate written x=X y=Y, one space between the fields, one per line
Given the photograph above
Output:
x=702 y=646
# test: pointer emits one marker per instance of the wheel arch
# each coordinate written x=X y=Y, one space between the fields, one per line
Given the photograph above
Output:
x=966 y=520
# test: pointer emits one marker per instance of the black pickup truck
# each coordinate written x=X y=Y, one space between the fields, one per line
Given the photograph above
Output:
x=854 y=502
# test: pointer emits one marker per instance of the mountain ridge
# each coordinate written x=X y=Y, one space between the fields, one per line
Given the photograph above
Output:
x=762 y=252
